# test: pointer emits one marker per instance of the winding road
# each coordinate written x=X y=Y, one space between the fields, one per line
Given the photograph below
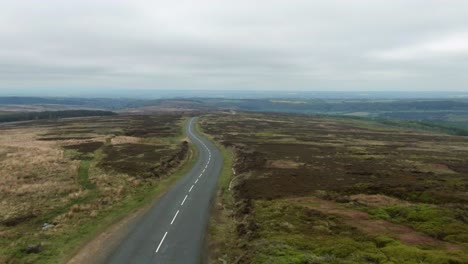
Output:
x=173 y=230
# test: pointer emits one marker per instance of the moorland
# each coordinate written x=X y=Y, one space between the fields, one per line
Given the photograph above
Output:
x=321 y=189
x=312 y=181
x=446 y=114
x=65 y=180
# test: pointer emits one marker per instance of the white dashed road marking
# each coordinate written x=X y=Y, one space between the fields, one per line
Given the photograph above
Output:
x=173 y=219
x=160 y=243
x=186 y=196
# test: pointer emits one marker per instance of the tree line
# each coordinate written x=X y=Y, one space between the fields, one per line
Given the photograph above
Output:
x=26 y=116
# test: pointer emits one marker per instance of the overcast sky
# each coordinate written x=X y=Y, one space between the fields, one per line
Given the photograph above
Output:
x=238 y=44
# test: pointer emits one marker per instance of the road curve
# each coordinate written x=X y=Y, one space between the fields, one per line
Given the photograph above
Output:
x=173 y=230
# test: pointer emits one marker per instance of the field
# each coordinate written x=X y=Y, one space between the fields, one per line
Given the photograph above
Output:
x=314 y=189
x=64 y=180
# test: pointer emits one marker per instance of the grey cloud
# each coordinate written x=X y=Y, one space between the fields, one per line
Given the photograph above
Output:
x=208 y=44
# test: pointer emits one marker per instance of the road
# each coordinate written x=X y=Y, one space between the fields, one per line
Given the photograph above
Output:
x=173 y=230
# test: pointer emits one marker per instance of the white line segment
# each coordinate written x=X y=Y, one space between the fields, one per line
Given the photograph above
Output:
x=160 y=243
x=173 y=219
x=184 y=200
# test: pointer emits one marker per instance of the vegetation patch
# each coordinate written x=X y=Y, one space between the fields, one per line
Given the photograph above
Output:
x=441 y=223
x=142 y=160
x=321 y=189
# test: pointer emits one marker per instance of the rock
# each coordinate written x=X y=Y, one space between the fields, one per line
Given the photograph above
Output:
x=33 y=249
x=46 y=226
x=223 y=260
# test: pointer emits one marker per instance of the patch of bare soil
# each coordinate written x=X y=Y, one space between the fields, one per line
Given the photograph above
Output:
x=283 y=164
x=124 y=139
x=363 y=222
x=378 y=200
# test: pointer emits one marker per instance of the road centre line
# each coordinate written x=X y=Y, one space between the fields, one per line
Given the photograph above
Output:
x=173 y=219
x=186 y=196
x=184 y=200
x=160 y=243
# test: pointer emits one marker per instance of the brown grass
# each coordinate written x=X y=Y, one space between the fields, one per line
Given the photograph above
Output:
x=32 y=173
x=124 y=139
x=283 y=164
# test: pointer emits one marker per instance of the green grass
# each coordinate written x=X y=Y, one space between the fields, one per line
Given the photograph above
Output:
x=83 y=175
x=437 y=222
x=293 y=234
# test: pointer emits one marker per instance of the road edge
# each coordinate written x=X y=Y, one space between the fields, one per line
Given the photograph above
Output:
x=219 y=213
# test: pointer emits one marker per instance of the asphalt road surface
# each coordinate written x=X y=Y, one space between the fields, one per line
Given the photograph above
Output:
x=173 y=230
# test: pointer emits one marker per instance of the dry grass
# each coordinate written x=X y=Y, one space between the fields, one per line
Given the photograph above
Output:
x=283 y=164
x=32 y=173
x=124 y=140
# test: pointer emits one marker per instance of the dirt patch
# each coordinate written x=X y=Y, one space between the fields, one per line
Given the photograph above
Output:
x=377 y=200
x=124 y=140
x=283 y=164
x=63 y=138
x=440 y=166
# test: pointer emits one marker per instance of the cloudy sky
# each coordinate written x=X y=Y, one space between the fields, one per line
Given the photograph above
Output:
x=243 y=44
